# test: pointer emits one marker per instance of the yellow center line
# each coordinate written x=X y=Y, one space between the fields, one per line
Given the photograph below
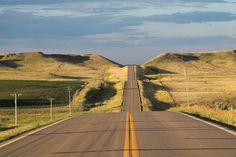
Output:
x=127 y=138
x=134 y=145
x=130 y=135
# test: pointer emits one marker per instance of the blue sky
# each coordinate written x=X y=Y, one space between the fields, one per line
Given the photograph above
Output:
x=126 y=31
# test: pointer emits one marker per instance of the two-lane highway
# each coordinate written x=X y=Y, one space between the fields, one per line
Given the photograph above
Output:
x=131 y=101
x=130 y=133
x=96 y=135
x=171 y=134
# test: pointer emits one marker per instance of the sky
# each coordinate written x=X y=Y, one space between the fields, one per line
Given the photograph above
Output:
x=126 y=31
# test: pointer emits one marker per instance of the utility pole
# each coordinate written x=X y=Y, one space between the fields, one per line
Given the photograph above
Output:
x=51 y=99
x=69 y=99
x=186 y=82
x=16 y=96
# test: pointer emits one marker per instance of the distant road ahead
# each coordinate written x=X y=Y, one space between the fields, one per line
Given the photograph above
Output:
x=140 y=134
x=131 y=101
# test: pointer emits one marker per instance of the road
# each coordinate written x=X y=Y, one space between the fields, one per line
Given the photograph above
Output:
x=131 y=93
x=131 y=132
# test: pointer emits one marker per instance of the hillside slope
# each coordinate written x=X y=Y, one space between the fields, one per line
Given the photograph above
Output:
x=218 y=61
x=39 y=66
x=210 y=79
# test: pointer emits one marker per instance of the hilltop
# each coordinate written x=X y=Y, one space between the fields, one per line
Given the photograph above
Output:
x=40 y=66
x=208 y=62
x=210 y=79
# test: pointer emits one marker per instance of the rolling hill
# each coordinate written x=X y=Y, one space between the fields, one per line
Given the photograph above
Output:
x=208 y=62
x=38 y=76
x=210 y=79
x=39 y=66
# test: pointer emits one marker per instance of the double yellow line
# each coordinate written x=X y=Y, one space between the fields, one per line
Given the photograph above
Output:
x=130 y=145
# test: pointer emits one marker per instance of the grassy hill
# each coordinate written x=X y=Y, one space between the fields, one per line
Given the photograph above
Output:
x=209 y=62
x=39 y=76
x=210 y=79
x=39 y=66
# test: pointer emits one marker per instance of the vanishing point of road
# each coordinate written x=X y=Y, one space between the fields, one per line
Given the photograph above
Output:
x=129 y=133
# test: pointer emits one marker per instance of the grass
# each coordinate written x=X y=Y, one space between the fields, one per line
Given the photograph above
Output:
x=35 y=115
x=103 y=95
x=144 y=101
x=211 y=79
x=32 y=111
x=154 y=96
x=39 y=66
x=36 y=92
x=116 y=77
x=29 y=117
x=227 y=117
x=203 y=89
x=39 y=76
x=112 y=104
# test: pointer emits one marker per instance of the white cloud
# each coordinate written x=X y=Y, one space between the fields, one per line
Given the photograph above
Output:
x=117 y=37
x=73 y=9
x=189 y=30
x=118 y=9
x=48 y=10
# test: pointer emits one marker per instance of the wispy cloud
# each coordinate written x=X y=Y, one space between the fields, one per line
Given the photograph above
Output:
x=84 y=8
x=125 y=38
x=188 y=30
x=49 y=10
x=195 y=16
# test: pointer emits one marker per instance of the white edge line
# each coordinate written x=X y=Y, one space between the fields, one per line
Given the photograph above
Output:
x=34 y=131
x=209 y=123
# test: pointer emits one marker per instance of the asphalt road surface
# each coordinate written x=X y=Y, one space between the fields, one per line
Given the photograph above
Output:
x=131 y=102
x=130 y=133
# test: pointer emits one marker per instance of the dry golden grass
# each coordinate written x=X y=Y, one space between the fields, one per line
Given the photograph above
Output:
x=39 y=66
x=154 y=96
x=79 y=97
x=211 y=77
x=113 y=104
x=202 y=89
x=110 y=97
x=227 y=117
x=29 y=118
x=93 y=69
x=209 y=62
x=116 y=74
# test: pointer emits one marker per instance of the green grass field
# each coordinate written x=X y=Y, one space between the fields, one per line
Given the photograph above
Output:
x=36 y=92
x=39 y=76
x=29 y=117
x=33 y=106
x=34 y=109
